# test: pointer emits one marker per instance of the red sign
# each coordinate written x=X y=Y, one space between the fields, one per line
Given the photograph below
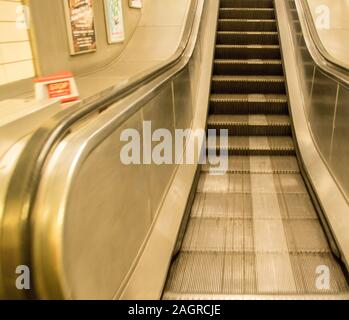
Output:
x=59 y=89
x=60 y=86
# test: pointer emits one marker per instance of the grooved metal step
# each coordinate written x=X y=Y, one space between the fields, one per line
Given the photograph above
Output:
x=246 y=25
x=251 y=125
x=255 y=297
x=246 y=13
x=248 y=67
x=226 y=51
x=251 y=274
x=257 y=164
x=262 y=187
x=232 y=235
x=255 y=146
x=247 y=4
x=248 y=104
x=247 y=38
x=248 y=84
x=239 y=205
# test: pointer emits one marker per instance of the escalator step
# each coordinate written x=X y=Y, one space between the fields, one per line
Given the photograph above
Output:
x=256 y=146
x=257 y=164
x=246 y=13
x=225 y=51
x=248 y=84
x=231 y=235
x=248 y=67
x=293 y=206
x=255 y=184
x=247 y=38
x=248 y=104
x=246 y=25
x=251 y=125
x=246 y=4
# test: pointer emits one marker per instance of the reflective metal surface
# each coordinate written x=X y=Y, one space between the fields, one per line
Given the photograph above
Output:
x=19 y=119
x=71 y=241
x=320 y=91
x=67 y=235
x=313 y=93
x=339 y=155
x=145 y=283
x=322 y=111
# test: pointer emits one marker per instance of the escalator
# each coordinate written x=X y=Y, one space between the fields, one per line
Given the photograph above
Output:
x=274 y=226
x=254 y=231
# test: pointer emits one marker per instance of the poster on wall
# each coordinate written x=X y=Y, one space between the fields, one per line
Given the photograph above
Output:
x=81 y=26
x=135 y=4
x=114 y=20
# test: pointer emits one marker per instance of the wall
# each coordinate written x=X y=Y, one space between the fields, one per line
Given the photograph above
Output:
x=152 y=36
x=155 y=39
x=51 y=42
x=15 y=53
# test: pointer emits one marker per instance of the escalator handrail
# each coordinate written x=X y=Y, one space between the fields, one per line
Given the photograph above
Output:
x=323 y=59
x=21 y=194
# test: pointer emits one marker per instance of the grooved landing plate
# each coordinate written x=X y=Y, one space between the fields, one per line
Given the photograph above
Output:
x=252 y=274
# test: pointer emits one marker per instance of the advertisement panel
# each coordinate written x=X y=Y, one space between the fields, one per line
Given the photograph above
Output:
x=114 y=20
x=80 y=25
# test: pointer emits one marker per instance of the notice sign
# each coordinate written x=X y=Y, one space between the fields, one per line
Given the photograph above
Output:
x=80 y=25
x=114 y=20
x=59 y=89
x=60 y=86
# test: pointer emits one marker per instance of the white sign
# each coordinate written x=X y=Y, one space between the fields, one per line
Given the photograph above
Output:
x=114 y=20
x=60 y=86
x=135 y=4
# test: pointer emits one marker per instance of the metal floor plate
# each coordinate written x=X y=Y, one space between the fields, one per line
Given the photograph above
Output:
x=251 y=235
x=252 y=274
